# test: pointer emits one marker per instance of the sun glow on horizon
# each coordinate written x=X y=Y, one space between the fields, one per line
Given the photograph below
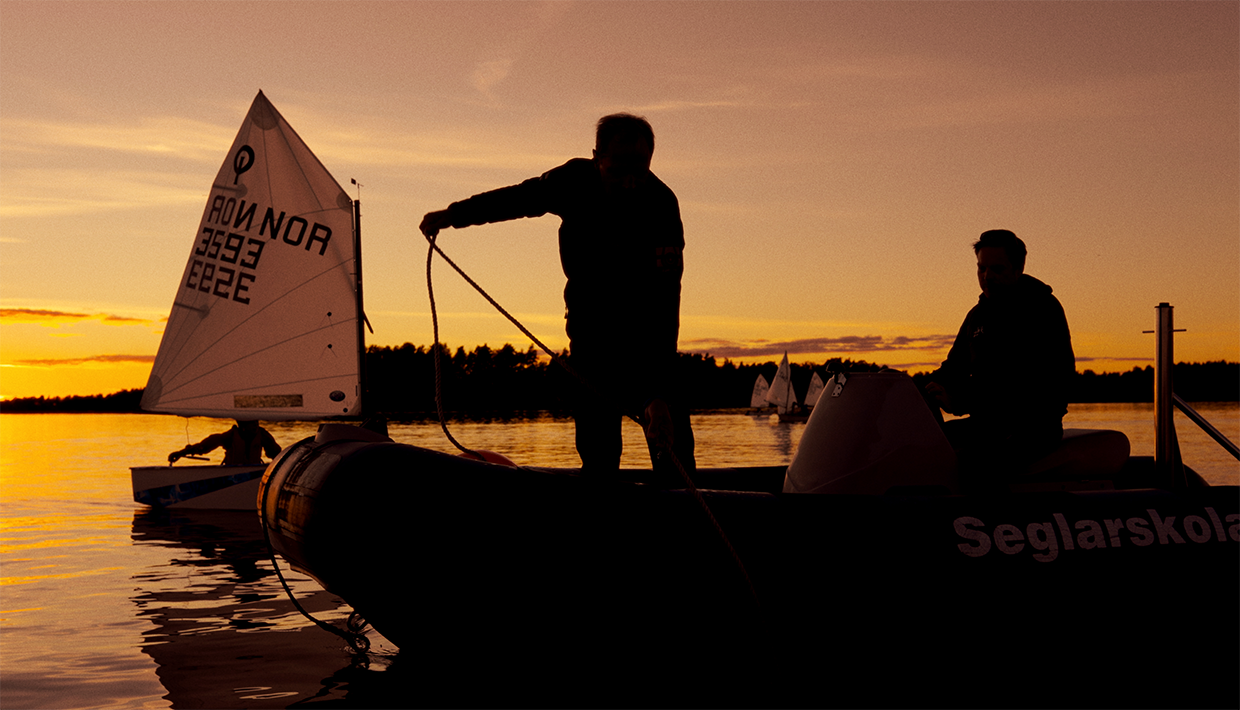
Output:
x=833 y=162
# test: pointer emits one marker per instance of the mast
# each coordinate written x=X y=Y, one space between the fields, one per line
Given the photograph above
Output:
x=788 y=388
x=363 y=381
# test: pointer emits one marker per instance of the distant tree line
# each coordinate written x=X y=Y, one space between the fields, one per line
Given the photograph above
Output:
x=402 y=380
x=124 y=401
x=504 y=381
x=1194 y=381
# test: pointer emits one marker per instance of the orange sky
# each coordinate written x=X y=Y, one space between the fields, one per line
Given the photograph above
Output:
x=833 y=161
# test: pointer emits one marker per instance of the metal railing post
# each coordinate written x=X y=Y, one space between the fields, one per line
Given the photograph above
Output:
x=1166 y=444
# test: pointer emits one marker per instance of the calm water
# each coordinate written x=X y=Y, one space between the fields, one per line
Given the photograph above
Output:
x=105 y=604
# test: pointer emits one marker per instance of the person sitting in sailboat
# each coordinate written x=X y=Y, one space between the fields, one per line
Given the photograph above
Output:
x=244 y=445
x=1009 y=369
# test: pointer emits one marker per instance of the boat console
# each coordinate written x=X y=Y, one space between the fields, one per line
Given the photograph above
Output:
x=868 y=433
x=872 y=433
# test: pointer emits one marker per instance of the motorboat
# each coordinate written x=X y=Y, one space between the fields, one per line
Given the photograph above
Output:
x=866 y=576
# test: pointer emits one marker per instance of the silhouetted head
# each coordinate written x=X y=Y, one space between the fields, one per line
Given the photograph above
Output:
x=247 y=426
x=623 y=147
x=622 y=125
x=1000 y=260
x=1005 y=240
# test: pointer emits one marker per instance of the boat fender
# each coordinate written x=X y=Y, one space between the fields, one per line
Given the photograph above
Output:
x=488 y=456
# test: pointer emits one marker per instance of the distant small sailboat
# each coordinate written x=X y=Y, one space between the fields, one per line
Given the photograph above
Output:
x=267 y=319
x=760 y=388
x=783 y=396
x=815 y=390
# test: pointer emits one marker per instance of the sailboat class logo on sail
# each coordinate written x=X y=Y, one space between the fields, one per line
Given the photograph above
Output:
x=264 y=324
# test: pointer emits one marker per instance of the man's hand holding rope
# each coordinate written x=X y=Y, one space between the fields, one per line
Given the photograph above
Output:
x=433 y=222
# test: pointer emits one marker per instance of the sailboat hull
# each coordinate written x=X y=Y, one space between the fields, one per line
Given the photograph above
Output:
x=201 y=487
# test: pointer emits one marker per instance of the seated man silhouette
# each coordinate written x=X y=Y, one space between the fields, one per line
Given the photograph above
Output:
x=1009 y=369
x=244 y=445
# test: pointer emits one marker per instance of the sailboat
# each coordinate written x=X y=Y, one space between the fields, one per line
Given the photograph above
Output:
x=758 y=399
x=815 y=390
x=783 y=396
x=266 y=322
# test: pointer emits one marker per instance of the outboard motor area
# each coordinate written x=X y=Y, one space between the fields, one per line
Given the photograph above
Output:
x=868 y=433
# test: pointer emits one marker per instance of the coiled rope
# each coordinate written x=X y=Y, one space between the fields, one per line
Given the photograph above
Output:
x=433 y=249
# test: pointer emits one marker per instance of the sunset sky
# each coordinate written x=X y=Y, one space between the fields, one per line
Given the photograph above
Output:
x=834 y=162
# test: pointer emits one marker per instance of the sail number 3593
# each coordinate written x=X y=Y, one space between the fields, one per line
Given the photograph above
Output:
x=230 y=248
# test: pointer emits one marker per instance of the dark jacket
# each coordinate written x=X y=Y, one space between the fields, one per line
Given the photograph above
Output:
x=622 y=255
x=1012 y=362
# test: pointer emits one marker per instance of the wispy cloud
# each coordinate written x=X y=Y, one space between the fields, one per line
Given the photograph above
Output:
x=912 y=90
x=53 y=318
x=384 y=145
x=488 y=74
x=58 y=167
x=156 y=136
x=124 y=320
x=40 y=192
x=848 y=344
x=102 y=359
x=665 y=106
x=1045 y=103
x=39 y=315
x=532 y=27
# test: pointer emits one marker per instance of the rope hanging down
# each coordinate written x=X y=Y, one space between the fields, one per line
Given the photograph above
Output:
x=354 y=632
x=684 y=475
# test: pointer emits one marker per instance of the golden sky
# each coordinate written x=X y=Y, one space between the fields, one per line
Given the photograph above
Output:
x=833 y=161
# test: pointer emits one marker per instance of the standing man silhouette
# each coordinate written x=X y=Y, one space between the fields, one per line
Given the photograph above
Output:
x=621 y=247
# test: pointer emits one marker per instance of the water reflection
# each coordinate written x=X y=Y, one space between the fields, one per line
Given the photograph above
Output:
x=93 y=592
x=223 y=633
x=784 y=441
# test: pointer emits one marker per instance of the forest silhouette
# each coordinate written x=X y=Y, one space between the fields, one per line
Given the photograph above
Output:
x=507 y=381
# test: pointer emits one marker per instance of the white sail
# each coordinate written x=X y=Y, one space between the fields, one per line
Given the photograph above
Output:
x=264 y=324
x=815 y=390
x=781 y=393
x=760 y=388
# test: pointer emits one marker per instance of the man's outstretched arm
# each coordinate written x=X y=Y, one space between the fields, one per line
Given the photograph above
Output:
x=532 y=198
